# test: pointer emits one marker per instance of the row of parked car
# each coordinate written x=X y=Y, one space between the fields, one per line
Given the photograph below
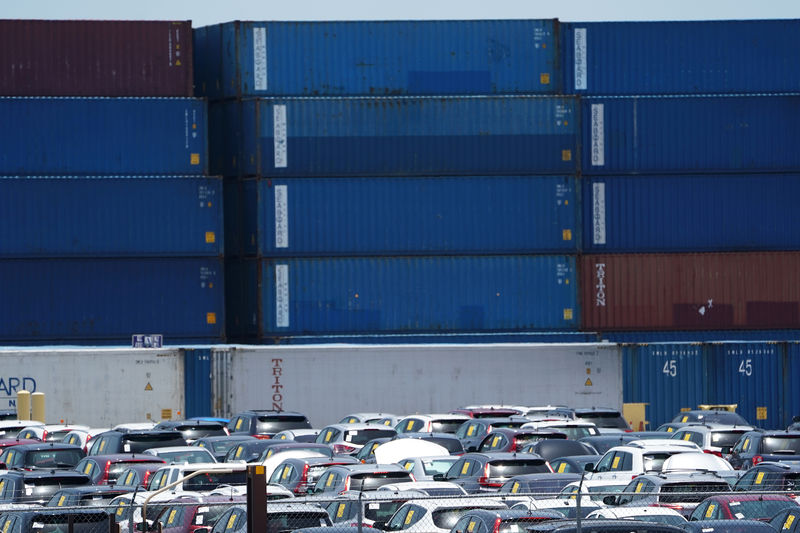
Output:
x=520 y=465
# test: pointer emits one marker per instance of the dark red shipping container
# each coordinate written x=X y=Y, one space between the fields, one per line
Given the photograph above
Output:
x=705 y=291
x=95 y=58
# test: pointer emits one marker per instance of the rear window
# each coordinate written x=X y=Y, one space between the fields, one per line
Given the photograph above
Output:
x=690 y=492
x=445 y=426
x=373 y=480
x=132 y=443
x=276 y=423
x=516 y=468
x=654 y=461
x=211 y=480
x=53 y=458
x=725 y=439
x=199 y=432
x=758 y=510
x=447 y=518
x=362 y=436
x=289 y=521
x=381 y=511
x=787 y=445
x=77 y=522
x=605 y=419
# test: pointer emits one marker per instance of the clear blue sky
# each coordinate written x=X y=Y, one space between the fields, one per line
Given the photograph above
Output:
x=203 y=12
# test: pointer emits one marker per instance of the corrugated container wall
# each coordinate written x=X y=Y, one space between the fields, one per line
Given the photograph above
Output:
x=328 y=137
x=664 y=135
x=111 y=216
x=751 y=376
x=92 y=136
x=95 y=58
x=691 y=213
x=56 y=300
x=400 y=216
x=375 y=58
x=625 y=337
x=790 y=381
x=667 y=377
x=727 y=56
x=758 y=290
x=276 y=297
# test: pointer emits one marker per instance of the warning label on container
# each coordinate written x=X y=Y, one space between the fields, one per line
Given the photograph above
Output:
x=580 y=59
x=282 y=296
x=598 y=136
x=281 y=216
x=148 y=387
x=599 y=213
x=260 y=59
x=279 y=136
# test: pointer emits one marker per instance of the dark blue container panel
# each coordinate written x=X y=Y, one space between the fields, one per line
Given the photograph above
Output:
x=751 y=376
x=93 y=136
x=401 y=216
x=376 y=58
x=73 y=300
x=691 y=213
x=111 y=216
x=791 y=385
x=197 y=382
x=691 y=134
x=615 y=58
x=668 y=377
x=699 y=336
x=402 y=295
x=329 y=137
x=556 y=337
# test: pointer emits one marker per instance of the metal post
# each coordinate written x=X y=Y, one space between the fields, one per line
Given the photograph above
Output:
x=256 y=499
x=360 y=513
x=578 y=504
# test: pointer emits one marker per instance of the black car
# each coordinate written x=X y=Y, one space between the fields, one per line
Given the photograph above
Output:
x=447 y=440
x=603 y=443
x=756 y=446
x=681 y=492
x=546 y=485
x=219 y=446
x=603 y=417
x=264 y=423
x=501 y=520
x=786 y=521
x=45 y=455
x=280 y=517
x=603 y=525
x=718 y=416
x=574 y=464
x=194 y=429
x=38 y=486
x=512 y=440
x=554 y=448
x=137 y=441
x=472 y=432
x=299 y=474
x=486 y=472
x=87 y=495
x=770 y=476
x=55 y=520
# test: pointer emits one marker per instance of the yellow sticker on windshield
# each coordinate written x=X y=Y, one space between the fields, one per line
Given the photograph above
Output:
x=465 y=468
x=515 y=487
x=409 y=465
x=746 y=444
x=639 y=486
x=789 y=521
x=615 y=464
x=285 y=472
x=686 y=436
x=470 y=431
x=87 y=468
x=495 y=441
x=269 y=453
x=102 y=446
x=283 y=437
x=171 y=518
x=329 y=482
x=121 y=508
x=61 y=501
x=759 y=478
x=387 y=423
x=352 y=420
x=685 y=419
x=562 y=467
x=471 y=526
x=710 y=510
x=238 y=424
x=670 y=430
x=409 y=425
x=328 y=435
x=409 y=516
x=239 y=451
x=5 y=526
x=340 y=510
x=231 y=520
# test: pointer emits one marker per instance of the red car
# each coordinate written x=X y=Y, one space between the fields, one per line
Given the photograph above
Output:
x=738 y=506
x=188 y=514
x=104 y=469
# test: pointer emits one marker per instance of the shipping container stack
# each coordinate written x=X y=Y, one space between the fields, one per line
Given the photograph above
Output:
x=689 y=175
x=111 y=225
x=393 y=177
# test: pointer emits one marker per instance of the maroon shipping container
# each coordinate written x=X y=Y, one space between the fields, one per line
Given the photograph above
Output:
x=690 y=291
x=95 y=58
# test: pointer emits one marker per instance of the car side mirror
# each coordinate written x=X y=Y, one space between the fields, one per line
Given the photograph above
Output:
x=439 y=477
x=588 y=467
x=610 y=500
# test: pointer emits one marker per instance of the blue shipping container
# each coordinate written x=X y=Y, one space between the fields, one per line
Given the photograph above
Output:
x=691 y=213
x=279 y=297
x=751 y=376
x=667 y=377
x=329 y=137
x=638 y=337
x=791 y=385
x=727 y=56
x=691 y=134
x=71 y=300
x=400 y=216
x=92 y=136
x=376 y=58
x=111 y=216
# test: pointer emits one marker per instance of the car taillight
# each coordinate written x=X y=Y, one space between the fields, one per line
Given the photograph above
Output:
x=44 y=435
x=496 y=527
x=757 y=459
x=712 y=452
x=346 y=484
x=343 y=448
x=673 y=506
x=104 y=480
x=262 y=436
x=355 y=524
x=302 y=486
x=484 y=479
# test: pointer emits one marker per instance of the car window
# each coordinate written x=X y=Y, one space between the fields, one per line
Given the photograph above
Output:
x=276 y=423
x=748 y=480
x=604 y=464
x=622 y=461
x=774 y=444
x=469 y=429
x=493 y=442
x=374 y=480
x=725 y=439
x=329 y=435
x=445 y=426
x=447 y=518
x=517 y=467
x=652 y=462
x=236 y=519
x=362 y=436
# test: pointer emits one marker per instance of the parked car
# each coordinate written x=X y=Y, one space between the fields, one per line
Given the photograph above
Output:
x=374 y=508
x=105 y=469
x=567 y=508
x=219 y=446
x=7 y=443
x=472 y=432
x=193 y=514
x=370 y=418
x=637 y=457
x=264 y=423
x=786 y=521
x=432 y=423
x=681 y=492
x=49 y=432
x=658 y=515
x=367 y=452
x=340 y=478
x=280 y=517
x=288 y=446
x=756 y=446
x=347 y=439
x=82 y=437
x=512 y=440
x=486 y=472
x=546 y=485
x=742 y=506
x=770 y=476
x=134 y=441
x=574 y=464
x=247 y=451
x=299 y=474
x=55 y=520
x=428 y=468
x=297 y=435
x=215 y=475
x=42 y=455
x=446 y=440
x=436 y=489
x=85 y=496
x=194 y=429
x=181 y=454
x=22 y=486
x=574 y=429
x=603 y=417
x=136 y=475
x=552 y=449
x=436 y=515
x=592 y=492
x=719 y=416
x=11 y=428
x=501 y=520
x=714 y=438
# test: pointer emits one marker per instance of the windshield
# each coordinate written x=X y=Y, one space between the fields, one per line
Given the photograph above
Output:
x=758 y=510
x=598 y=493
x=373 y=480
x=445 y=426
x=278 y=522
x=654 y=461
x=274 y=424
x=212 y=480
x=186 y=456
x=787 y=445
x=437 y=466
x=516 y=468
x=53 y=458
x=363 y=436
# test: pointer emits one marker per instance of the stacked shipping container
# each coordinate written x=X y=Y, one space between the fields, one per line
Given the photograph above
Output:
x=111 y=226
x=393 y=176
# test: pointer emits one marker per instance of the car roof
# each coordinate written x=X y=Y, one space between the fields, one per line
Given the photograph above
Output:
x=356 y=426
x=126 y=457
x=37 y=446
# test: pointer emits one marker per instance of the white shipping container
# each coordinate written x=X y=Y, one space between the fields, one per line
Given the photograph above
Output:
x=327 y=382
x=97 y=387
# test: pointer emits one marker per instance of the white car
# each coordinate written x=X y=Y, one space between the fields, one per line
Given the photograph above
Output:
x=637 y=457
x=134 y=426
x=436 y=489
x=661 y=515
x=436 y=515
x=592 y=491
x=9 y=429
x=349 y=438
x=83 y=437
x=574 y=429
x=370 y=418
x=49 y=432
x=297 y=435
x=717 y=439
x=431 y=423
x=686 y=463
x=424 y=468
x=182 y=454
